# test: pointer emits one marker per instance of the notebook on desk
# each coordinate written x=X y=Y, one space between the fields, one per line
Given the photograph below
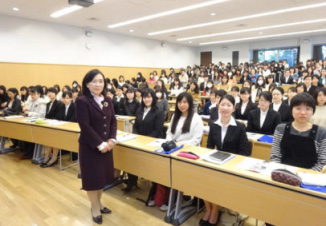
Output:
x=217 y=157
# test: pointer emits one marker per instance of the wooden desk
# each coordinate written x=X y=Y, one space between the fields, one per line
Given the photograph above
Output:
x=123 y=123
x=248 y=192
x=16 y=129
x=136 y=157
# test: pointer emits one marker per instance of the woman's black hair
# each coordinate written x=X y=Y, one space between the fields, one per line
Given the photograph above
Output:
x=163 y=84
x=57 y=87
x=108 y=81
x=111 y=91
x=115 y=82
x=178 y=113
x=45 y=91
x=280 y=89
x=273 y=86
x=317 y=91
x=53 y=90
x=229 y=98
x=74 y=82
x=67 y=87
x=235 y=88
x=88 y=78
x=302 y=85
x=243 y=91
x=24 y=97
x=146 y=93
x=266 y=95
x=221 y=92
x=214 y=91
x=269 y=76
x=196 y=90
x=303 y=98
x=67 y=93
x=177 y=79
x=14 y=91
x=39 y=89
x=293 y=89
x=4 y=89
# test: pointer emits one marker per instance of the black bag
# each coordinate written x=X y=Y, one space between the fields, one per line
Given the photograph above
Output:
x=169 y=145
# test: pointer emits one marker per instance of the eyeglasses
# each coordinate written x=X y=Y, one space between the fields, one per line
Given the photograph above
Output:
x=304 y=109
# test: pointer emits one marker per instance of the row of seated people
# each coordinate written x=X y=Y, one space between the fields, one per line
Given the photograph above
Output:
x=36 y=106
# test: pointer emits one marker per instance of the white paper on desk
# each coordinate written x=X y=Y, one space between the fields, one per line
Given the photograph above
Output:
x=54 y=122
x=313 y=179
x=32 y=119
x=122 y=117
x=263 y=167
x=13 y=116
x=157 y=143
x=125 y=137
x=254 y=136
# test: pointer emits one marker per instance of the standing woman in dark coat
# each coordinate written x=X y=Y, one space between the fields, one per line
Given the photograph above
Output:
x=98 y=125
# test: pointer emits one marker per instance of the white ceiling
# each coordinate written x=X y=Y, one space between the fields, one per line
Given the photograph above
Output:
x=110 y=12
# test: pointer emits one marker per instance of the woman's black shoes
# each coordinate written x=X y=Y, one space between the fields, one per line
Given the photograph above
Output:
x=49 y=164
x=106 y=210
x=202 y=222
x=129 y=187
x=98 y=219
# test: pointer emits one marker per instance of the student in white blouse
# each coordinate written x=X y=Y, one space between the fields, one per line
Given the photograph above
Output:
x=186 y=125
x=176 y=88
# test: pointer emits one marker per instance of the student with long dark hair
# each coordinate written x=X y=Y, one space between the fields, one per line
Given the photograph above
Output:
x=318 y=117
x=279 y=106
x=194 y=92
x=149 y=122
x=176 y=87
x=186 y=125
x=3 y=97
x=161 y=84
x=23 y=94
x=225 y=134
x=130 y=105
x=14 y=105
x=243 y=108
x=162 y=102
x=258 y=88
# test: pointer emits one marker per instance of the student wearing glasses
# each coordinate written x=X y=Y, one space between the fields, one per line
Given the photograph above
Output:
x=263 y=119
x=279 y=106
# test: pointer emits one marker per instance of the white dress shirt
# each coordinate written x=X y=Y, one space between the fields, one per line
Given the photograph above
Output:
x=243 y=107
x=224 y=129
x=262 y=117
x=276 y=107
x=146 y=110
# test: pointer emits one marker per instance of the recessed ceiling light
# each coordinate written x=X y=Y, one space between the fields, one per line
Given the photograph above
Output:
x=167 y=13
x=15 y=9
x=213 y=14
x=190 y=42
x=131 y=30
x=252 y=29
x=240 y=18
x=263 y=37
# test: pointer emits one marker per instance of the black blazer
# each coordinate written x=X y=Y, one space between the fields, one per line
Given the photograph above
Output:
x=130 y=108
x=312 y=90
x=273 y=118
x=285 y=112
x=202 y=86
x=152 y=125
x=55 y=111
x=290 y=80
x=237 y=113
x=118 y=106
x=15 y=108
x=70 y=117
x=235 y=140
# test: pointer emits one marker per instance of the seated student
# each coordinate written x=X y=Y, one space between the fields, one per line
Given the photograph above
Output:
x=59 y=94
x=14 y=105
x=235 y=93
x=162 y=102
x=213 y=99
x=138 y=95
x=319 y=116
x=118 y=101
x=208 y=89
x=287 y=78
x=243 y=108
x=315 y=81
x=143 y=84
x=161 y=84
x=68 y=108
x=186 y=125
x=292 y=91
x=245 y=77
x=176 y=87
x=263 y=119
x=279 y=106
x=300 y=143
x=203 y=84
x=23 y=95
x=121 y=80
x=214 y=111
x=224 y=84
x=194 y=92
x=53 y=111
x=110 y=93
x=151 y=79
x=124 y=88
x=225 y=134
x=3 y=97
x=149 y=122
x=258 y=88
x=247 y=84
x=301 y=88
x=35 y=108
x=134 y=83
x=75 y=94
x=130 y=105
x=269 y=79
x=310 y=88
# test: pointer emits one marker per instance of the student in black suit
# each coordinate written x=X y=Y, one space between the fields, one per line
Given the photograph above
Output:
x=287 y=78
x=310 y=88
x=279 y=106
x=149 y=122
x=203 y=85
x=227 y=135
x=14 y=104
x=243 y=108
x=263 y=120
x=68 y=108
x=118 y=101
x=3 y=97
x=214 y=111
x=53 y=111
x=292 y=91
x=130 y=105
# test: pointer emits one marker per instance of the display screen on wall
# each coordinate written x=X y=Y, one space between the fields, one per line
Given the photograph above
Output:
x=289 y=54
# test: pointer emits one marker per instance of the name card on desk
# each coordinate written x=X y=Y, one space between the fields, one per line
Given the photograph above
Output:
x=125 y=137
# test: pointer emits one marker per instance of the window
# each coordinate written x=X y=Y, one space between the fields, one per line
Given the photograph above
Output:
x=288 y=54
